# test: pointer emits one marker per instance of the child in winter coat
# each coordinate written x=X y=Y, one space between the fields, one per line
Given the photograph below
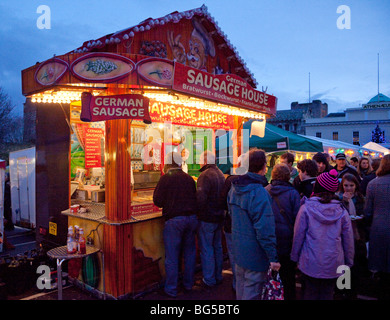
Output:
x=323 y=239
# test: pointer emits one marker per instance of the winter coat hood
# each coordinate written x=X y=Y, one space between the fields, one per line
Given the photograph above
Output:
x=277 y=187
x=328 y=214
x=247 y=182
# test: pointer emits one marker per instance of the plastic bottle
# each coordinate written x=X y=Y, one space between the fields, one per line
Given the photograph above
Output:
x=71 y=242
x=82 y=249
x=76 y=233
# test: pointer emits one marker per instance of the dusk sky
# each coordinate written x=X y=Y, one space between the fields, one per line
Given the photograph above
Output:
x=280 y=41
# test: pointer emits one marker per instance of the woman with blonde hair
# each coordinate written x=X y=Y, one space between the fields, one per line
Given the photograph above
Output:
x=364 y=167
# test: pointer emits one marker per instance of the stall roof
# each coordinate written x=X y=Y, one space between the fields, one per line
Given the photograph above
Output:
x=341 y=144
x=374 y=146
x=277 y=139
x=208 y=21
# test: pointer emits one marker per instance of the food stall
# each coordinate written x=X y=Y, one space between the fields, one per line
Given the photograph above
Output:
x=120 y=103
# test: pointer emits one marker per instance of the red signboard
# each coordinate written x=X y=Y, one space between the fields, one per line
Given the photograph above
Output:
x=182 y=115
x=147 y=208
x=122 y=106
x=225 y=88
x=93 y=147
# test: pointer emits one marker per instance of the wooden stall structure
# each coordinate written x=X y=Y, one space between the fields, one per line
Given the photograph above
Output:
x=121 y=102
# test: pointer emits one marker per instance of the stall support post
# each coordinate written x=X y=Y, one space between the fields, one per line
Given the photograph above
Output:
x=118 y=238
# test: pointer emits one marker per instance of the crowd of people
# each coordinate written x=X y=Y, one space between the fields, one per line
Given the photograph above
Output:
x=307 y=221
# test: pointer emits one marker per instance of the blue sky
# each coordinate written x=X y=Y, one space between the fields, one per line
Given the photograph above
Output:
x=281 y=41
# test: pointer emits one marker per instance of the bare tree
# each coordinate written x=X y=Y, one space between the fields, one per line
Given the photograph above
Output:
x=11 y=126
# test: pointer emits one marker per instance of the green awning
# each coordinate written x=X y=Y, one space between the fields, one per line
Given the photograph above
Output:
x=275 y=139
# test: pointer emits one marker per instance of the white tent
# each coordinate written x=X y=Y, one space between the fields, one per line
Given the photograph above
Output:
x=334 y=146
x=376 y=147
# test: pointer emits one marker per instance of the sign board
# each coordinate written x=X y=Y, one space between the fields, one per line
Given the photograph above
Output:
x=53 y=228
x=182 y=115
x=281 y=145
x=94 y=148
x=122 y=106
x=225 y=88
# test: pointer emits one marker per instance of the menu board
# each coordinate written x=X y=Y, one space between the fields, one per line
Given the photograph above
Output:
x=94 y=148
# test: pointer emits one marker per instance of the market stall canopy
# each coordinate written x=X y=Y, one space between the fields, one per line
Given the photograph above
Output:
x=335 y=146
x=275 y=140
x=374 y=146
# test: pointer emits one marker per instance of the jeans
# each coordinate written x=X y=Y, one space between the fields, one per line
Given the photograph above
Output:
x=249 y=284
x=211 y=255
x=228 y=238
x=179 y=236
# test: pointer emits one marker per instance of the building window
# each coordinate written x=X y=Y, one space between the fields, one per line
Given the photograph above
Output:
x=295 y=127
x=318 y=134
x=335 y=135
x=355 y=138
x=286 y=127
x=280 y=126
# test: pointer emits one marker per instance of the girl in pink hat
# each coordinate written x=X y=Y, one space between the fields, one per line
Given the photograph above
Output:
x=323 y=239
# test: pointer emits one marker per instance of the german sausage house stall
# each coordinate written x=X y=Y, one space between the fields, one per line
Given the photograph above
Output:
x=108 y=112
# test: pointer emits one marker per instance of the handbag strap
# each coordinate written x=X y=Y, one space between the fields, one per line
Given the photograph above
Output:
x=283 y=212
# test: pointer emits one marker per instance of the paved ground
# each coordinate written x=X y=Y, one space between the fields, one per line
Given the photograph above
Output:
x=24 y=239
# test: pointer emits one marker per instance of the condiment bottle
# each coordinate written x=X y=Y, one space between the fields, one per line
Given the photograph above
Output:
x=71 y=241
x=82 y=249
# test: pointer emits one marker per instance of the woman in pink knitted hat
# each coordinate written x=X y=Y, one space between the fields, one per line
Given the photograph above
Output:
x=323 y=239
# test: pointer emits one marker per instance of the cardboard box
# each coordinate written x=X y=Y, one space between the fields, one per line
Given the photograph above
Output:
x=98 y=195
x=81 y=194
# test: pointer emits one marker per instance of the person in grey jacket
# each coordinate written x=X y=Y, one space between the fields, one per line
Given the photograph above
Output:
x=210 y=217
x=377 y=209
x=323 y=239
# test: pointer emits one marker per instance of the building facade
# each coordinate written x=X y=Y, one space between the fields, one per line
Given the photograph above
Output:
x=354 y=125
x=294 y=120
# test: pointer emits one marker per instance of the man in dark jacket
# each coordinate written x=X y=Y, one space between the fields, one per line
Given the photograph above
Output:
x=210 y=216
x=342 y=168
x=253 y=229
x=175 y=193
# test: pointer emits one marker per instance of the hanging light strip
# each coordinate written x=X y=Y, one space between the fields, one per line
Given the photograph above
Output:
x=68 y=96
x=204 y=105
x=60 y=96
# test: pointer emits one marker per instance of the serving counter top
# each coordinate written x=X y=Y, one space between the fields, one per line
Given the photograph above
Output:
x=96 y=212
